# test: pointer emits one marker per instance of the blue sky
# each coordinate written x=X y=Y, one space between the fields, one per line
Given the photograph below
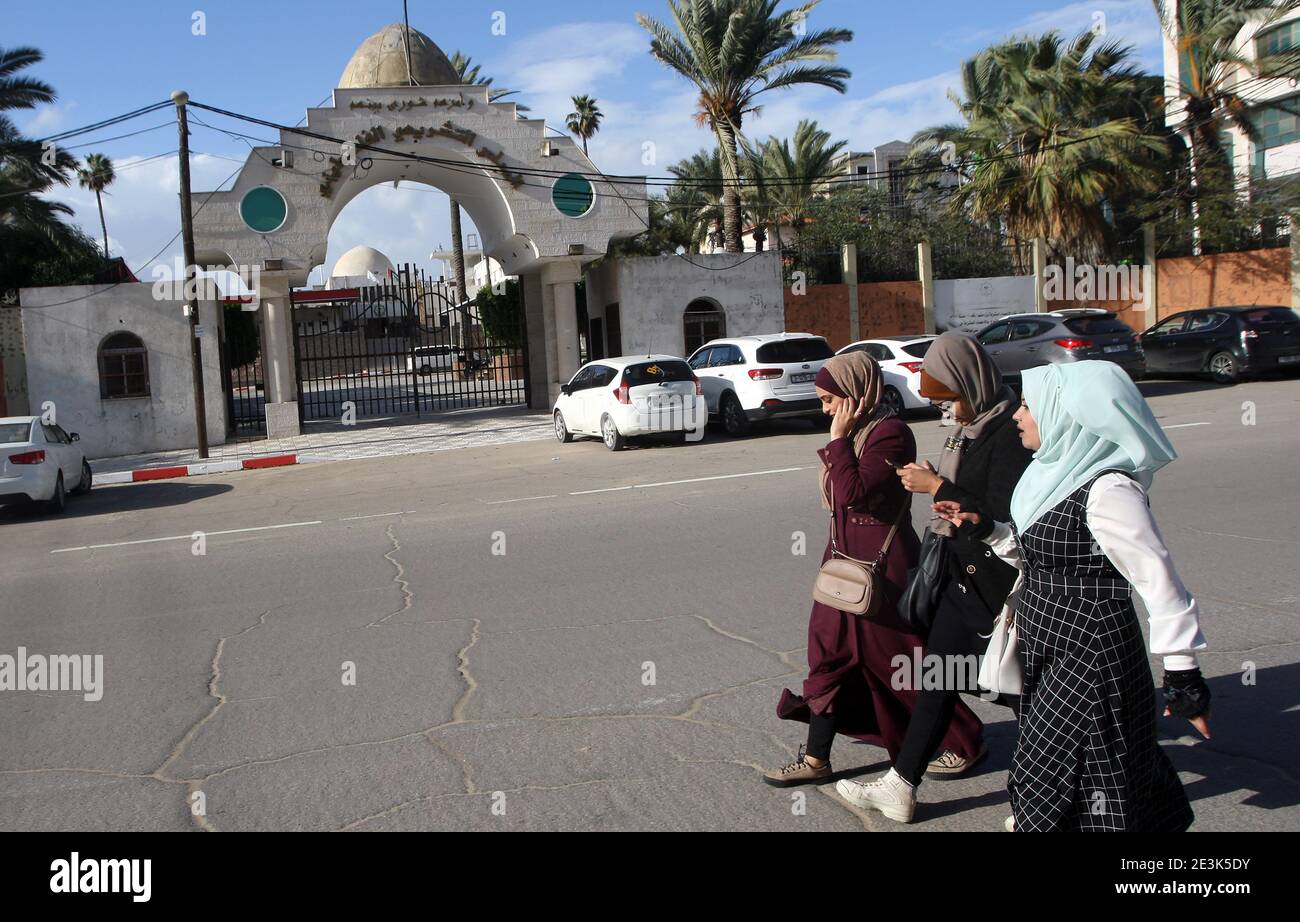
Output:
x=276 y=58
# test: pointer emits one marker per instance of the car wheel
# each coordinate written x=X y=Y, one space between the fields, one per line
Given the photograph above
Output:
x=892 y=401
x=734 y=419
x=59 y=501
x=87 y=479
x=1224 y=368
x=426 y=371
x=562 y=432
x=609 y=433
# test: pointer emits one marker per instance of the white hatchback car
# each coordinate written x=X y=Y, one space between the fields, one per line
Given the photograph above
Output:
x=900 y=358
x=622 y=398
x=753 y=378
x=40 y=463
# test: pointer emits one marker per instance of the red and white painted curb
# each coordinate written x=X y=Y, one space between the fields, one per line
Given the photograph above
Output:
x=145 y=475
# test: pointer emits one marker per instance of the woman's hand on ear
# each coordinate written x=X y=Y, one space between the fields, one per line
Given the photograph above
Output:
x=847 y=415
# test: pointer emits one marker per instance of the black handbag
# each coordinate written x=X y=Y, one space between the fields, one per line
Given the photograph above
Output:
x=925 y=584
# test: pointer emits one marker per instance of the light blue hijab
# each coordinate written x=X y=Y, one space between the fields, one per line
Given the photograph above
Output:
x=1092 y=419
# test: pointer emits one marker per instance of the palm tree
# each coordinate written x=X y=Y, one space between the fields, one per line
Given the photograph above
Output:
x=97 y=175
x=1215 y=76
x=584 y=120
x=1050 y=134
x=795 y=178
x=27 y=169
x=696 y=197
x=734 y=51
x=468 y=74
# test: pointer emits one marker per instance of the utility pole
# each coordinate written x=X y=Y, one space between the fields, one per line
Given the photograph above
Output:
x=181 y=98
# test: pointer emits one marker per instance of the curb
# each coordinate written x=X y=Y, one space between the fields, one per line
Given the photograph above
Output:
x=148 y=474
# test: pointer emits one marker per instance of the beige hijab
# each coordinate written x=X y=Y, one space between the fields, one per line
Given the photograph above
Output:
x=959 y=362
x=858 y=376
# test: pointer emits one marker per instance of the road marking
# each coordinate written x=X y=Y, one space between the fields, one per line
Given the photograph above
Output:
x=678 y=483
x=189 y=537
x=526 y=499
x=383 y=515
x=1187 y=426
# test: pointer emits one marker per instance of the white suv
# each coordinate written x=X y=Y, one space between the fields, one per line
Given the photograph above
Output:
x=752 y=378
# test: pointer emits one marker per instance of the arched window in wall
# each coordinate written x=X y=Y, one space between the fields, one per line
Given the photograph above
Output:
x=123 y=367
x=704 y=321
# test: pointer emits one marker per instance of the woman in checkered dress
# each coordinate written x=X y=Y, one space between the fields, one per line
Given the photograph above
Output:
x=1083 y=536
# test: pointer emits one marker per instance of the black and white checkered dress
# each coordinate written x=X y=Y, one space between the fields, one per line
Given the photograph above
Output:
x=1088 y=757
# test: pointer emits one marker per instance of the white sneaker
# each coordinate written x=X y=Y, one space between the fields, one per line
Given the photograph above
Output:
x=891 y=795
x=1010 y=824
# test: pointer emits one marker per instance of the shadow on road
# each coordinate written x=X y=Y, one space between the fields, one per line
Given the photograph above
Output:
x=126 y=498
x=1170 y=386
x=1256 y=727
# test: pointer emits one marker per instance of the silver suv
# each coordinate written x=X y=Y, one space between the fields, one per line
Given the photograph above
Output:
x=1028 y=340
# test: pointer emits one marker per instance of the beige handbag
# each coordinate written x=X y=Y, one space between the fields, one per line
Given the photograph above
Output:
x=849 y=585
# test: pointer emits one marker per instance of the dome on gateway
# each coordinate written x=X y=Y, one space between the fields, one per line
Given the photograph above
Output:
x=381 y=61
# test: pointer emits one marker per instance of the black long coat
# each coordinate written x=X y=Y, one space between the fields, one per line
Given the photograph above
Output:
x=990 y=469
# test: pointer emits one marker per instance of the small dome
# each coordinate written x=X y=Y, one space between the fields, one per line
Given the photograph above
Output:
x=357 y=262
x=381 y=61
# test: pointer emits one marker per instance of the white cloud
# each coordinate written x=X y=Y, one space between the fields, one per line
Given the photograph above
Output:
x=48 y=120
x=1132 y=22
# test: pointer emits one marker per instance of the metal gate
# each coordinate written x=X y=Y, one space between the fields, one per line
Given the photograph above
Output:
x=402 y=347
x=241 y=367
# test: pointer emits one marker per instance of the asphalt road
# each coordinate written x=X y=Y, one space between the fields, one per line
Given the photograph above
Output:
x=556 y=637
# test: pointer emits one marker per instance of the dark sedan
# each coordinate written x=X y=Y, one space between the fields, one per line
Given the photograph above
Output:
x=1226 y=343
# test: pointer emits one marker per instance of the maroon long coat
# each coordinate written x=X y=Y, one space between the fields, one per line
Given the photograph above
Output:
x=851 y=659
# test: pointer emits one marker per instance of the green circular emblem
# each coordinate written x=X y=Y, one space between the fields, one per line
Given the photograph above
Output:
x=264 y=210
x=573 y=195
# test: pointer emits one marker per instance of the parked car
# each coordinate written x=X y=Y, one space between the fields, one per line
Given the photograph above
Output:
x=619 y=399
x=900 y=359
x=753 y=378
x=1023 y=341
x=40 y=463
x=1225 y=342
x=432 y=360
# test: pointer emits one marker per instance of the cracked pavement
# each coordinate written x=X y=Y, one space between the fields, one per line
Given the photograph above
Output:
x=504 y=633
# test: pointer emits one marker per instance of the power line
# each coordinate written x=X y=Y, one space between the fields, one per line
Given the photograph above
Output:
x=135 y=113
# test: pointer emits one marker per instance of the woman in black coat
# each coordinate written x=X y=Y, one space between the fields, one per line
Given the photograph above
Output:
x=981 y=465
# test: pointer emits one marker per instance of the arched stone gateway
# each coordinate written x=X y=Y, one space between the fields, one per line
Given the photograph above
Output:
x=531 y=195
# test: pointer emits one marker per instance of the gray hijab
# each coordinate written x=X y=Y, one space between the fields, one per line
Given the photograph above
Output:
x=959 y=362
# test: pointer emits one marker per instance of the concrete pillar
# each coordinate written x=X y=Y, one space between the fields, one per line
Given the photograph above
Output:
x=278 y=372
x=531 y=290
x=849 y=256
x=560 y=301
x=1151 y=277
x=1040 y=275
x=1295 y=261
x=925 y=272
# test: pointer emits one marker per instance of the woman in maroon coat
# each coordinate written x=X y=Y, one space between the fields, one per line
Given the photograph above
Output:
x=851 y=660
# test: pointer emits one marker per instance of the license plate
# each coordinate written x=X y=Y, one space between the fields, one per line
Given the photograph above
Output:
x=1114 y=349
x=802 y=379
x=1288 y=359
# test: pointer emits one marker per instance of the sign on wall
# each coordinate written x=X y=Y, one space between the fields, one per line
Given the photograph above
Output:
x=970 y=305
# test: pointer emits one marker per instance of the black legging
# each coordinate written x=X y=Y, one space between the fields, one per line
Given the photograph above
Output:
x=958 y=623
x=821 y=735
